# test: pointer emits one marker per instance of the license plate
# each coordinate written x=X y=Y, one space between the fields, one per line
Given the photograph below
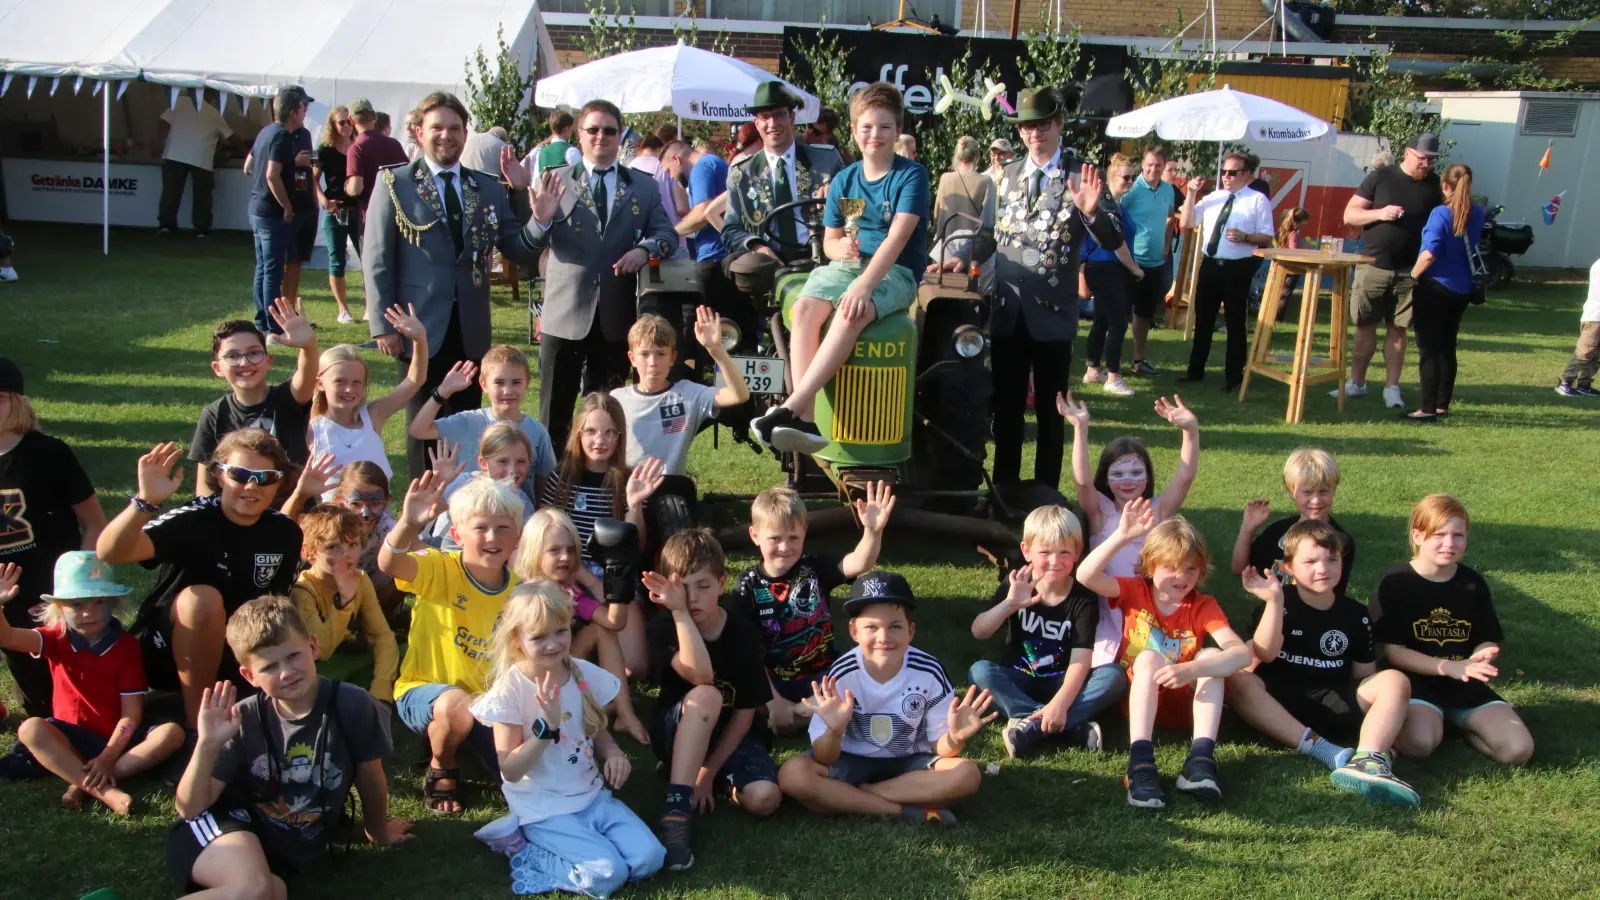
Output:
x=764 y=374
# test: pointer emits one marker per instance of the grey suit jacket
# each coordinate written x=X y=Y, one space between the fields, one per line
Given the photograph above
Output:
x=750 y=192
x=408 y=257
x=578 y=281
x=1034 y=276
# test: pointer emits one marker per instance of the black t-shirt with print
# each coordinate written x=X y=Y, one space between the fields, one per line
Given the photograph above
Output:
x=735 y=665
x=791 y=613
x=197 y=544
x=292 y=776
x=1445 y=620
x=1394 y=245
x=40 y=481
x=280 y=414
x=1040 y=638
x=1319 y=645
x=302 y=190
x=1266 y=550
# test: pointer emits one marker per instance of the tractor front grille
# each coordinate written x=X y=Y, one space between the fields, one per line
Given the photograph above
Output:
x=869 y=405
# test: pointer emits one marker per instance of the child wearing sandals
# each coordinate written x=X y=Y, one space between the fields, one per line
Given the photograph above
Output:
x=343 y=422
x=93 y=739
x=459 y=596
x=1125 y=473
x=565 y=831
x=548 y=549
x=1434 y=620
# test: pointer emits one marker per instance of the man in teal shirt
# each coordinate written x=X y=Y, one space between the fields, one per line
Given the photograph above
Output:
x=1149 y=205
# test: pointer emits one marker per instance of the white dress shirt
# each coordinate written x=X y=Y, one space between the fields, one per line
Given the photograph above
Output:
x=1029 y=167
x=786 y=159
x=1251 y=214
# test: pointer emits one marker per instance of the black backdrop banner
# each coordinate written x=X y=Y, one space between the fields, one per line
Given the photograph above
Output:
x=906 y=59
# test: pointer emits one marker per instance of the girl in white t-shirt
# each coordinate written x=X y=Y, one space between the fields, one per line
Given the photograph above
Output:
x=343 y=423
x=1125 y=472
x=565 y=831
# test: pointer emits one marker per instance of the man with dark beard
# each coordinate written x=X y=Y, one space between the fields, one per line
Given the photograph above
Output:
x=431 y=227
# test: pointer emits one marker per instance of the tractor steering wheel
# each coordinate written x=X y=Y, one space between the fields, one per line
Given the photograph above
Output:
x=813 y=224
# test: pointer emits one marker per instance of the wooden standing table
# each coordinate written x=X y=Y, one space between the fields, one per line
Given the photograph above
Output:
x=1304 y=369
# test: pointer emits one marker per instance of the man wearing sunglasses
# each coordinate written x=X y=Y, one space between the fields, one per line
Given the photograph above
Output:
x=432 y=227
x=782 y=171
x=602 y=222
x=1234 y=220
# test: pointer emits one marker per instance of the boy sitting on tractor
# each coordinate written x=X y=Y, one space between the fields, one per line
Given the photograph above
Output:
x=877 y=239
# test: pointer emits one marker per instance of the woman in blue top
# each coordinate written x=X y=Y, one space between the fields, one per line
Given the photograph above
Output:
x=1443 y=274
x=1110 y=276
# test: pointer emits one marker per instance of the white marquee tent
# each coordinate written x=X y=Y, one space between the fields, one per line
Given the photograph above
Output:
x=390 y=51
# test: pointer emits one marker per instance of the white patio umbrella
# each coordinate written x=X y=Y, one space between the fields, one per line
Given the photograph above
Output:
x=1222 y=115
x=693 y=83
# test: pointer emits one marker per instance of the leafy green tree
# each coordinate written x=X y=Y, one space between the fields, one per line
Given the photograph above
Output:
x=1518 y=64
x=499 y=94
x=824 y=72
x=936 y=138
x=1180 y=73
x=1056 y=59
x=1389 y=106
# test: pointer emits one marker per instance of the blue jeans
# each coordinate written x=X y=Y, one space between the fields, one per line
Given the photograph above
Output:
x=592 y=852
x=335 y=233
x=273 y=236
x=1020 y=696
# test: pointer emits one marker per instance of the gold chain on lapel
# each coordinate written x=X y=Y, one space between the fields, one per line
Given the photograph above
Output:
x=408 y=229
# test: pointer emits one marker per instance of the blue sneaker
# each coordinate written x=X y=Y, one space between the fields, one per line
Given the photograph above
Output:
x=1199 y=778
x=1566 y=389
x=1144 y=788
x=1587 y=391
x=1370 y=776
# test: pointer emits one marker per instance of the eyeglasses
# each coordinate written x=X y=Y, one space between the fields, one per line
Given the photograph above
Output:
x=242 y=475
x=238 y=359
x=607 y=130
x=1235 y=173
x=603 y=433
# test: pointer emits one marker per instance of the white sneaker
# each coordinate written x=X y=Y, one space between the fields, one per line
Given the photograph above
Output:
x=274 y=340
x=345 y=318
x=1391 y=397
x=1118 y=388
x=8 y=274
x=1094 y=378
x=1351 y=389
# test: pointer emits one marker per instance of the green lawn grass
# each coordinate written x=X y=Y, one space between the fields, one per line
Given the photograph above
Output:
x=116 y=350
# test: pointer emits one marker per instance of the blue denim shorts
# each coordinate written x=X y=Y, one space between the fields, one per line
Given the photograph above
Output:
x=415 y=708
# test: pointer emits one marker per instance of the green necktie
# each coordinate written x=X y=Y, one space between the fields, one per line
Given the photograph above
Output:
x=1036 y=190
x=1222 y=225
x=452 y=208
x=602 y=203
x=782 y=194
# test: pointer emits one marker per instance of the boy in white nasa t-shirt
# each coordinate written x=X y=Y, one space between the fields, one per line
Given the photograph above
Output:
x=887 y=729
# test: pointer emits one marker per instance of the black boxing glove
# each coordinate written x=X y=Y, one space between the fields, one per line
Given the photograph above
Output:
x=616 y=545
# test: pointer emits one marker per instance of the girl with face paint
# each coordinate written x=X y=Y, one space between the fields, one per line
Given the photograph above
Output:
x=1125 y=473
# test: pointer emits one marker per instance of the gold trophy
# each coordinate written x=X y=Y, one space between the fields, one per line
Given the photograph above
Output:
x=852 y=209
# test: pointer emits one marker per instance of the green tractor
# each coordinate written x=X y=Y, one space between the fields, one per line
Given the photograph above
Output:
x=910 y=407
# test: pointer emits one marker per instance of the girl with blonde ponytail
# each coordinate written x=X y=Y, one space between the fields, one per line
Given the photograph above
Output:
x=343 y=423
x=1444 y=288
x=556 y=756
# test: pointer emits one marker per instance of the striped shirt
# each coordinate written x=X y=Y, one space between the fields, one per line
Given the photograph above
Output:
x=900 y=717
x=589 y=501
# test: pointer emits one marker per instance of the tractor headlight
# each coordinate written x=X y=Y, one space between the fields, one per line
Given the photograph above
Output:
x=968 y=341
x=731 y=335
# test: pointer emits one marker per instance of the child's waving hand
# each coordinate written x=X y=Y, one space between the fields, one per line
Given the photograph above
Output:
x=1262 y=586
x=10 y=574
x=967 y=714
x=1176 y=413
x=1138 y=517
x=874 y=510
x=1074 y=411
x=826 y=701
x=157 y=478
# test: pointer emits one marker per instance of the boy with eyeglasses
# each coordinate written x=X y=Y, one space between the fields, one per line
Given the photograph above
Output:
x=215 y=554
x=239 y=356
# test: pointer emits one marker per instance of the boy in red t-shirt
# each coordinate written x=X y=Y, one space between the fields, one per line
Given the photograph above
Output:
x=1172 y=680
x=92 y=739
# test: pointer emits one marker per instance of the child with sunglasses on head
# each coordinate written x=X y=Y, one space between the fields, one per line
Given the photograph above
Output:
x=93 y=738
x=364 y=490
x=343 y=422
x=1125 y=473
x=240 y=357
x=215 y=553
x=337 y=603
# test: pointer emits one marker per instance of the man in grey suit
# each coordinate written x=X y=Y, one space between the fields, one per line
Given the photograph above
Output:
x=1047 y=203
x=431 y=227
x=601 y=221
x=784 y=170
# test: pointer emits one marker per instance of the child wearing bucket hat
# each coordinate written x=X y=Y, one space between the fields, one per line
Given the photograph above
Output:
x=93 y=739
